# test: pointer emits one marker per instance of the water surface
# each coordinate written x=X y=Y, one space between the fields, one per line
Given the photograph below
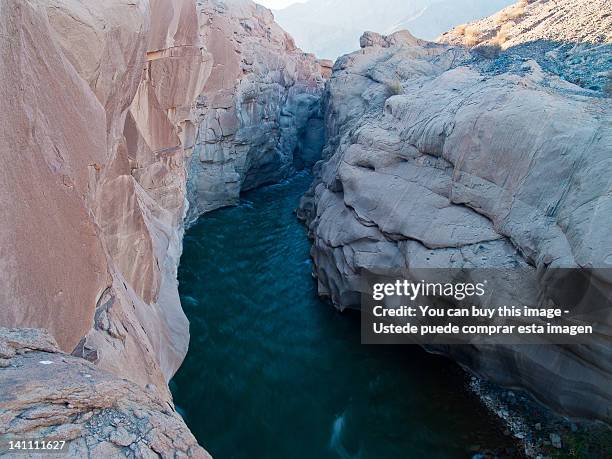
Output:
x=275 y=373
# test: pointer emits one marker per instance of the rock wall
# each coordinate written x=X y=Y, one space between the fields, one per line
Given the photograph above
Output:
x=142 y=205
x=96 y=149
x=442 y=157
x=261 y=106
x=93 y=199
x=109 y=102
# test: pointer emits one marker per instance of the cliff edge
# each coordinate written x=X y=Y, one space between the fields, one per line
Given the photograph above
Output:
x=59 y=397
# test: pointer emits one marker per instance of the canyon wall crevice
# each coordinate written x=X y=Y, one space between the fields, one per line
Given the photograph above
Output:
x=257 y=108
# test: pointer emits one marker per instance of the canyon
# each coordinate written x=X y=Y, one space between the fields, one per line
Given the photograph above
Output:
x=112 y=104
x=128 y=119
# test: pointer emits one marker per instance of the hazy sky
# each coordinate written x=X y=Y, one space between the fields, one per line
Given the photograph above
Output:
x=278 y=4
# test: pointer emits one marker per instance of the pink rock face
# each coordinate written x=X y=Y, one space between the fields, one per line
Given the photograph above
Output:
x=94 y=196
x=141 y=203
x=53 y=144
x=96 y=145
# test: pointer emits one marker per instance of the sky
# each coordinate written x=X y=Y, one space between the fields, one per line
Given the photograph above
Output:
x=278 y=4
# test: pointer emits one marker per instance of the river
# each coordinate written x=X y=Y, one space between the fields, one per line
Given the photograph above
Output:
x=273 y=372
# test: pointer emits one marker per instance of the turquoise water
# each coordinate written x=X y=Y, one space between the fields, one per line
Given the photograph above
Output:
x=274 y=372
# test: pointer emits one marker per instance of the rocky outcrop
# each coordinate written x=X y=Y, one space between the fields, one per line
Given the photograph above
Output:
x=56 y=396
x=442 y=157
x=113 y=104
x=261 y=106
x=528 y=21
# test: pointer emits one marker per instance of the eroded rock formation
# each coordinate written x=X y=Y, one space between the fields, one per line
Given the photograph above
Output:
x=261 y=106
x=109 y=102
x=99 y=176
x=93 y=188
x=442 y=157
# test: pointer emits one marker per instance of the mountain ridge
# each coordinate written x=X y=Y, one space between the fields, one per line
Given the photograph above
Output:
x=332 y=28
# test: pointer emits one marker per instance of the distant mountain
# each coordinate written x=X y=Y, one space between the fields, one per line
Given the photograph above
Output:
x=330 y=28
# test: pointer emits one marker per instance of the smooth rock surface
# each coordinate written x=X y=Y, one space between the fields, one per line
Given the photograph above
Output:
x=441 y=157
x=95 y=146
x=109 y=102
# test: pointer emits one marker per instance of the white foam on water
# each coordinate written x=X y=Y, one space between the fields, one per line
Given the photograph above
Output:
x=335 y=442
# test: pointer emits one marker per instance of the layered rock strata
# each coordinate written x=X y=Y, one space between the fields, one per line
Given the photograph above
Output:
x=438 y=156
